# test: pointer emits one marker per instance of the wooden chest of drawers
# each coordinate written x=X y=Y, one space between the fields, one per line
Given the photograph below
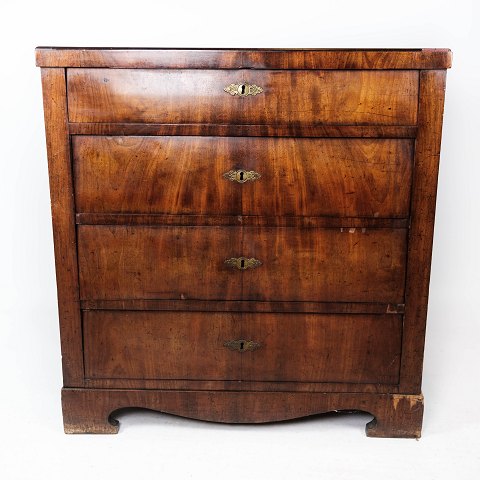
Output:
x=243 y=235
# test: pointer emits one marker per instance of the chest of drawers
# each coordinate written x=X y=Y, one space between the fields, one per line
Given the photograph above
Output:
x=243 y=235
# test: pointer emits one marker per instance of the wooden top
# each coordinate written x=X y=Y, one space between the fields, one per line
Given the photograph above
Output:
x=329 y=59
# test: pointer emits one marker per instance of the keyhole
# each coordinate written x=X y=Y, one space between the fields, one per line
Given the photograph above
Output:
x=241 y=345
x=242 y=89
x=241 y=176
x=242 y=265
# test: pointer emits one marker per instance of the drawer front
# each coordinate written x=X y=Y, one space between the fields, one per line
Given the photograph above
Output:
x=350 y=97
x=189 y=175
x=297 y=264
x=285 y=347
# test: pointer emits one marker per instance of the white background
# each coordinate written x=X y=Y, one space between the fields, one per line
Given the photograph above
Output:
x=152 y=445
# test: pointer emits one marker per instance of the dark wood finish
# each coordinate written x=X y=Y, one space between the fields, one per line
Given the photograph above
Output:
x=167 y=262
x=322 y=348
x=396 y=415
x=355 y=265
x=328 y=177
x=347 y=143
x=197 y=96
x=336 y=59
x=61 y=188
x=185 y=175
x=172 y=175
x=290 y=130
x=246 y=220
x=427 y=156
x=243 y=306
x=293 y=347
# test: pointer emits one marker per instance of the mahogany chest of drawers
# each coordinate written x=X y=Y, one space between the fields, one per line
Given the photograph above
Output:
x=243 y=235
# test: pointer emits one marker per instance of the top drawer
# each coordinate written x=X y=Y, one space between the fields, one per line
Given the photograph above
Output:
x=346 y=97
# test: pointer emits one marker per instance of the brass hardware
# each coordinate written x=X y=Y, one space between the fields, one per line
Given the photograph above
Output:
x=243 y=89
x=241 y=176
x=242 y=263
x=242 y=345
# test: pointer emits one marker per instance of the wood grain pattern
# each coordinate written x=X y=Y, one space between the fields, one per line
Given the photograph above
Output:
x=161 y=345
x=197 y=96
x=171 y=175
x=322 y=348
x=88 y=410
x=427 y=156
x=188 y=263
x=331 y=265
x=293 y=347
x=63 y=222
x=425 y=58
x=166 y=262
x=331 y=177
x=185 y=175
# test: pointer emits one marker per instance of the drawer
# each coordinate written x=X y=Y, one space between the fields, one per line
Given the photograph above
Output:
x=349 y=97
x=296 y=264
x=190 y=175
x=204 y=346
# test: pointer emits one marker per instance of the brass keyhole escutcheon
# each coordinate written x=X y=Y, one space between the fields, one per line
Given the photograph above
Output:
x=242 y=345
x=243 y=263
x=241 y=176
x=243 y=89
